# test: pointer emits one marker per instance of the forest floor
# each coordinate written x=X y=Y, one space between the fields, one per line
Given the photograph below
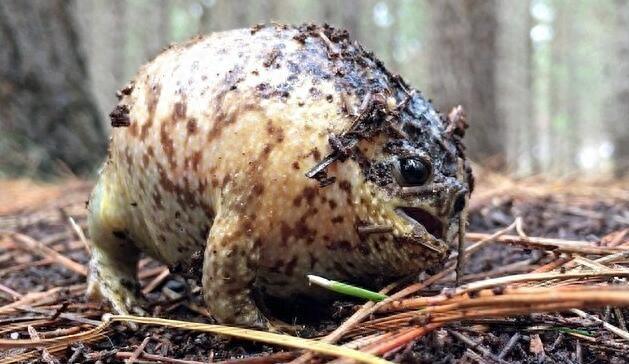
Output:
x=569 y=249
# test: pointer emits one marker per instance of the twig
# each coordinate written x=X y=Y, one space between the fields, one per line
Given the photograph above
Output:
x=79 y=233
x=616 y=330
x=14 y=295
x=156 y=281
x=156 y=358
x=556 y=245
x=474 y=345
x=138 y=351
x=514 y=339
x=41 y=249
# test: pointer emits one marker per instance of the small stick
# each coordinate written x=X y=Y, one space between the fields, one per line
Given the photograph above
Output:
x=514 y=339
x=80 y=234
x=471 y=354
x=41 y=249
x=15 y=295
x=474 y=345
x=558 y=245
x=329 y=44
x=422 y=190
x=460 y=259
x=138 y=351
x=156 y=281
x=621 y=318
x=374 y=229
x=616 y=330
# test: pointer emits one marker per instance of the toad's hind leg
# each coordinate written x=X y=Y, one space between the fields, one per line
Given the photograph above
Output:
x=229 y=272
x=113 y=266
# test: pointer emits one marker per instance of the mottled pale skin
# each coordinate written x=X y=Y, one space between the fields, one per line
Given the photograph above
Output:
x=218 y=134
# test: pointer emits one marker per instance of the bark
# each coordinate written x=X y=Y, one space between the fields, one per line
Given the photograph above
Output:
x=462 y=68
x=47 y=114
x=619 y=120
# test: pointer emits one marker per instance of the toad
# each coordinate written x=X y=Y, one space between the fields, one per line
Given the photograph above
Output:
x=262 y=155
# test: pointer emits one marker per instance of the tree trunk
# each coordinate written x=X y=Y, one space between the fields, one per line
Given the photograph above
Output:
x=47 y=114
x=352 y=15
x=514 y=96
x=619 y=120
x=462 y=68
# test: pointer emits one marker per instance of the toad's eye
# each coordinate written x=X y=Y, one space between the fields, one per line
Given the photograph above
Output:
x=414 y=171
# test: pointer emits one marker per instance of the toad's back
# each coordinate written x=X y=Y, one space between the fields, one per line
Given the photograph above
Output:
x=226 y=107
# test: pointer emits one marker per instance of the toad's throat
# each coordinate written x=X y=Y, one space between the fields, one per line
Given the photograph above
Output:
x=432 y=224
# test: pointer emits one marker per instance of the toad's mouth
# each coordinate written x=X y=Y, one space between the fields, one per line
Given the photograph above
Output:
x=417 y=215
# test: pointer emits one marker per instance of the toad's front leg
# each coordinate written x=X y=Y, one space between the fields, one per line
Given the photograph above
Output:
x=229 y=272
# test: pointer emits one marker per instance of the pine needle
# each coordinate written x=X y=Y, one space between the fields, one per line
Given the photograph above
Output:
x=255 y=335
x=346 y=289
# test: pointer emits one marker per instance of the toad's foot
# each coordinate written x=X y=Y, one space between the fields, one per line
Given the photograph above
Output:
x=114 y=262
x=229 y=266
x=121 y=292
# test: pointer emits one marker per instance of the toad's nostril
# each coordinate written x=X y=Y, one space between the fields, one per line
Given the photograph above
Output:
x=459 y=203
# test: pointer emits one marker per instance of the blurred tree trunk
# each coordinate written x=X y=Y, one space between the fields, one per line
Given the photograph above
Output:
x=514 y=88
x=462 y=68
x=47 y=114
x=564 y=95
x=619 y=120
x=352 y=15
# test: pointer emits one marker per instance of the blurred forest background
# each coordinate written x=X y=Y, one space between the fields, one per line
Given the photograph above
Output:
x=545 y=82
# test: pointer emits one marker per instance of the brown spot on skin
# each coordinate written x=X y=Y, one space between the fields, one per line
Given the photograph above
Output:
x=164 y=181
x=226 y=180
x=290 y=266
x=196 y=160
x=297 y=201
x=286 y=232
x=258 y=189
x=128 y=157
x=303 y=231
x=332 y=204
x=309 y=194
x=340 y=244
x=337 y=219
x=296 y=165
x=345 y=186
x=191 y=126
x=157 y=200
x=179 y=112
x=275 y=131
x=152 y=97
x=145 y=160
x=363 y=249
x=168 y=146
x=313 y=260
x=329 y=98
x=340 y=268
x=316 y=154
x=266 y=150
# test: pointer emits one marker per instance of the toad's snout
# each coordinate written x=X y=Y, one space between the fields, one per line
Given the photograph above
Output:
x=433 y=206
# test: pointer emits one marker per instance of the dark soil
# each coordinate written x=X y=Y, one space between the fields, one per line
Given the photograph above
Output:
x=555 y=216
